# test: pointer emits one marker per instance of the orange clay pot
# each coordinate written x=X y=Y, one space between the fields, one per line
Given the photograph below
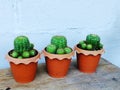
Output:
x=57 y=65
x=23 y=70
x=87 y=61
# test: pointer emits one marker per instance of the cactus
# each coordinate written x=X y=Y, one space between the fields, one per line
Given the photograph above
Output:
x=14 y=54
x=31 y=46
x=67 y=50
x=60 y=51
x=94 y=40
x=21 y=43
x=59 y=41
x=58 y=45
x=51 y=49
x=26 y=54
x=23 y=48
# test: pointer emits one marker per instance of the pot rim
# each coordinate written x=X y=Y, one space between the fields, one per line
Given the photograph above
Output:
x=86 y=52
x=59 y=57
x=23 y=61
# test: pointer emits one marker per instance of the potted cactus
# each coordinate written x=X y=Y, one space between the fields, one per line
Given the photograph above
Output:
x=23 y=60
x=58 y=57
x=88 y=53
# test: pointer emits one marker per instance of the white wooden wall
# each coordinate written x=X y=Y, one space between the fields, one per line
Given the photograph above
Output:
x=41 y=19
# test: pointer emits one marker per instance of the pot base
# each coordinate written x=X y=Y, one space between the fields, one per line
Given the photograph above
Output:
x=23 y=73
x=57 y=68
x=87 y=63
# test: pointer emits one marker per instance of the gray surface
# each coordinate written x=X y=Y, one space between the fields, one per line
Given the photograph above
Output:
x=107 y=77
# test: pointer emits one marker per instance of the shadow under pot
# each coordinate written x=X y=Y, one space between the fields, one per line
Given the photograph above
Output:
x=57 y=65
x=23 y=70
x=87 y=61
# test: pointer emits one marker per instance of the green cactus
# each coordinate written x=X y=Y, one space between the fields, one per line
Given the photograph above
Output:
x=59 y=41
x=32 y=52
x=60 y=51
x=20 y=57
x=67 y=50
x=21 y=44
x=14 y=54
x=100 y=46
x=91 y=43
x=51 y=49
x=31 y=46
x=94 y=40
x=26 y=54
x=58 y=45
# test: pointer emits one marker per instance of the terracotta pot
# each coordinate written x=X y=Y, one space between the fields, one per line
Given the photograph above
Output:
x=87 y=61
x=57 y=65
x=23 y=70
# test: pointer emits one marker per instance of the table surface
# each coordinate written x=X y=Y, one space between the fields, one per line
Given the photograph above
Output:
x=107 y=77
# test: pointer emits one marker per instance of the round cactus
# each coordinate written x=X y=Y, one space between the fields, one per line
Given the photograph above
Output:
x=31 y=46
x=59 y=41
x=60 y=51
x=100 y=46
x=67 y=50
x=21 y=43
x=14 y=54
x=26 y=54
x=94 y=40
x=51 y=49
x=91 y=43
x=58 y=45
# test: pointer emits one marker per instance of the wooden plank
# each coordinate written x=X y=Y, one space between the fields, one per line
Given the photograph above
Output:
x=107 y=77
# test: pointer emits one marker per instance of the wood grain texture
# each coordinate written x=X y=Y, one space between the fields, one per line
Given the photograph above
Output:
x=107 y=77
